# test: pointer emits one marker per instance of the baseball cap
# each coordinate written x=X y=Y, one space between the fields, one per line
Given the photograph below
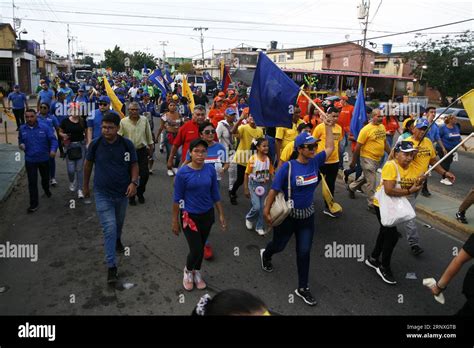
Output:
x=16 y=86
x=230 y=111
x=175 y=97
x=146 y=94
x=404 y=124
x=231 y=91
x=104 y=99
x=422 y=122
x=62 y=82
x=303 y=139
x=216 y=99
x=404 y=146
x=80 y=90
x=221 y=94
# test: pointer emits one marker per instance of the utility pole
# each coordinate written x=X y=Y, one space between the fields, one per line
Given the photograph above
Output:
x=201 y=29
x=363 y=15
x=14 y=19
x=164 y=44
x=44 y=41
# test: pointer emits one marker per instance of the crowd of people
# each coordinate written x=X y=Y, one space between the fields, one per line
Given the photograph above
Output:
x=219 y=138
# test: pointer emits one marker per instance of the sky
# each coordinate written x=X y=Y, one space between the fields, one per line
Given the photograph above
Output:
x=144 y=25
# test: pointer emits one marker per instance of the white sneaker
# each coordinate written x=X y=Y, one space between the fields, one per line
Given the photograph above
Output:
x=80 y=194
x=446 y=182
x=248 y=224
x=260 y=232
x=170 y=172
x=54 y=182
x=188 y=281
x=72 y=186
x=175 y=170
x=198 y=281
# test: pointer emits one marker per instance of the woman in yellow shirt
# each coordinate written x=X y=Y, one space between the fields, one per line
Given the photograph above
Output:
x=408 y=184
x=331 y=166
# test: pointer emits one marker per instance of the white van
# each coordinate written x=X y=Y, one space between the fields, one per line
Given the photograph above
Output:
x=199 y=81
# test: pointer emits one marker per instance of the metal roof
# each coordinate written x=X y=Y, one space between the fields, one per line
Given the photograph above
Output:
x=345 y=73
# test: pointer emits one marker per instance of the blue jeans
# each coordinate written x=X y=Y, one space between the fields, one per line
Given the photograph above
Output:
x=304 y=232
x=357 y=169
x=342 y=147
x=75 y=167
x=168 y=147
x=111 y=212
x=256 y=212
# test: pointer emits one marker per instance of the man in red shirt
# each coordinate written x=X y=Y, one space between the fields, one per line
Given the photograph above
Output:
x=303 y=103
x=186 y=134
x=344 y=120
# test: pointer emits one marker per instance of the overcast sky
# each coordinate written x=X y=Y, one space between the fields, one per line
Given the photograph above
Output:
x=291 y=23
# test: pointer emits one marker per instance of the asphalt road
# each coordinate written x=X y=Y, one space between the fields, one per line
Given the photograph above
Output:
x=71 y=261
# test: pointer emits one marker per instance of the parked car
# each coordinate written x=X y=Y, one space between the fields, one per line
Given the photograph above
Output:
x=198 y=81
x=463 y=119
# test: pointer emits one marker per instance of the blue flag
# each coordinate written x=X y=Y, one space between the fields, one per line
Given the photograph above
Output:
x=273 y=95
x=157 y=79
x=359 y=116
x=207 y=76
x=168 y=77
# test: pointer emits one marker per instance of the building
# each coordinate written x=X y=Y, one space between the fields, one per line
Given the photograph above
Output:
x=18 y=60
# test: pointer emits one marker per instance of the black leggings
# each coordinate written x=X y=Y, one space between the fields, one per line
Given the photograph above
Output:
x=386 y=241
x=142 y=156
x=19 y=116
x=240 y=179
x=330 y=174
x=197 y=239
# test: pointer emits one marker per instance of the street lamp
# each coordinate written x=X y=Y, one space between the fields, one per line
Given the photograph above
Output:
x=24 y=31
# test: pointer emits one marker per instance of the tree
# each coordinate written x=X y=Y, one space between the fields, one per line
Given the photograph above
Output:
x=138 y=59
x=89 y=60
x=114 y=59
x=448 y=61
x=185 y=68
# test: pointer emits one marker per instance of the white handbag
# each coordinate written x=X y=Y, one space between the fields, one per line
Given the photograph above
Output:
x=394 y=210
x=281 y=208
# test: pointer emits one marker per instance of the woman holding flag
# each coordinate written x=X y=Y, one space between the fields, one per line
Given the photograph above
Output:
x=303 y=181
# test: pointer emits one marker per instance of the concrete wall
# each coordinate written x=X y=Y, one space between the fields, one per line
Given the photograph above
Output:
x=7 y=39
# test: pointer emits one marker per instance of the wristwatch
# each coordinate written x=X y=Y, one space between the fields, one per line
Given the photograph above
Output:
x=136 y=182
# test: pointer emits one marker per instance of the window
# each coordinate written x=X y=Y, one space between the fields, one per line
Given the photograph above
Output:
x=290 y=56
x=309 y=54
x=199 y=79
x=380 y=65
x=282 y=58
x=274 y=59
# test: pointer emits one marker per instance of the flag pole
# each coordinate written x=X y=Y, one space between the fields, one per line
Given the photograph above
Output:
x=312 y=102
x=449 y=153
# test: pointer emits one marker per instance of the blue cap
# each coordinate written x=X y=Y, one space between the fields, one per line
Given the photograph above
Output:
x=404 y=146
x=146 y=94
x=421 y=123
x=105 y=99
x=16 y=86
x=80 y=90
x=230 y=111
x=303 y=139
x=119 y=91
x=61 y=82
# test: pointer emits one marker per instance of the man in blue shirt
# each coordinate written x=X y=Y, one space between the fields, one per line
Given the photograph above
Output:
x=115 y=181
x=45 y=96
x=20 y=104
x=94 y=121
x=66 y=90
x=38 y=142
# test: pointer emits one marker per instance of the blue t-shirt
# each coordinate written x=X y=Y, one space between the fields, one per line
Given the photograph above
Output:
x=39 y=141
x=50 y=120
x=216 y=155
x=18 y=100
x=46 y=96
x=304 y=179
x=112 y=165
x=450 y=136
x=94 y=121
x=196 y=189
x=68 y=93
x=433 y=133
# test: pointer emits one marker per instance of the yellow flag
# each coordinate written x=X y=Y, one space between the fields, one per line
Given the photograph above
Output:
x=329 y=199
x=9 y=114
x=468 y=103
x=188 y=93
x=114 y=100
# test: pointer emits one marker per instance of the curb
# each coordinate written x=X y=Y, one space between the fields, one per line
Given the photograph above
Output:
x=14 y=183
x=420 y=208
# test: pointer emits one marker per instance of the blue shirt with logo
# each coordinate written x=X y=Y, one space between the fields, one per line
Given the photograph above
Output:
x=94 y=121
x=68 y=93
x=450 y=136
x=304 y=179
x=112 y=165
x=39 y=141
x=18 y=100
x=46 y=96
x=50 y=120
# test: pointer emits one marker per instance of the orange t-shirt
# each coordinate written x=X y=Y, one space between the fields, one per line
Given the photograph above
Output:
x=392 y=125
x=345 y=116
x=303 y=104
x=216 y=115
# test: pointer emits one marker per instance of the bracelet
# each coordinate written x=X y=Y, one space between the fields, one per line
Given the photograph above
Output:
x=439 y=287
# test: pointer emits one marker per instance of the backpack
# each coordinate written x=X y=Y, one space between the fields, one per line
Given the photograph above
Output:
x=125 y=145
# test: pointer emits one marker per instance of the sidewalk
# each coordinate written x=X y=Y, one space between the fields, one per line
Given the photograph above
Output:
x=11 y=169
x=443 y=209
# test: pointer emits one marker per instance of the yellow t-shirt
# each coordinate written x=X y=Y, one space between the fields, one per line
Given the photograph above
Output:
x=287 y=135
x=389 y=173
x=287 y=151
x=425 y=153
x=373 y=140
x=247 y=134
x=320 y=133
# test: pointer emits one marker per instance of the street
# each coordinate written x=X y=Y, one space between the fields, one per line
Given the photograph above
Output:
x=70 y=274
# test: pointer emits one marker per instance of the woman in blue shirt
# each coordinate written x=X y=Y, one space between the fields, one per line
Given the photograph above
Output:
x=450 y=135
x=303 y=179
x=195 y=194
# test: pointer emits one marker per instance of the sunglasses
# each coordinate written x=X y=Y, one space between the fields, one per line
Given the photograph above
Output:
x=207 y=132
x=43 y=107
x=103 y=104
x=310 y=147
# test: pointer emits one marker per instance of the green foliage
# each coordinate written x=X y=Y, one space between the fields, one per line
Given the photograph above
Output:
x=138 y=59
x=185 y=68
x=114 y=59
x=449 y=63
